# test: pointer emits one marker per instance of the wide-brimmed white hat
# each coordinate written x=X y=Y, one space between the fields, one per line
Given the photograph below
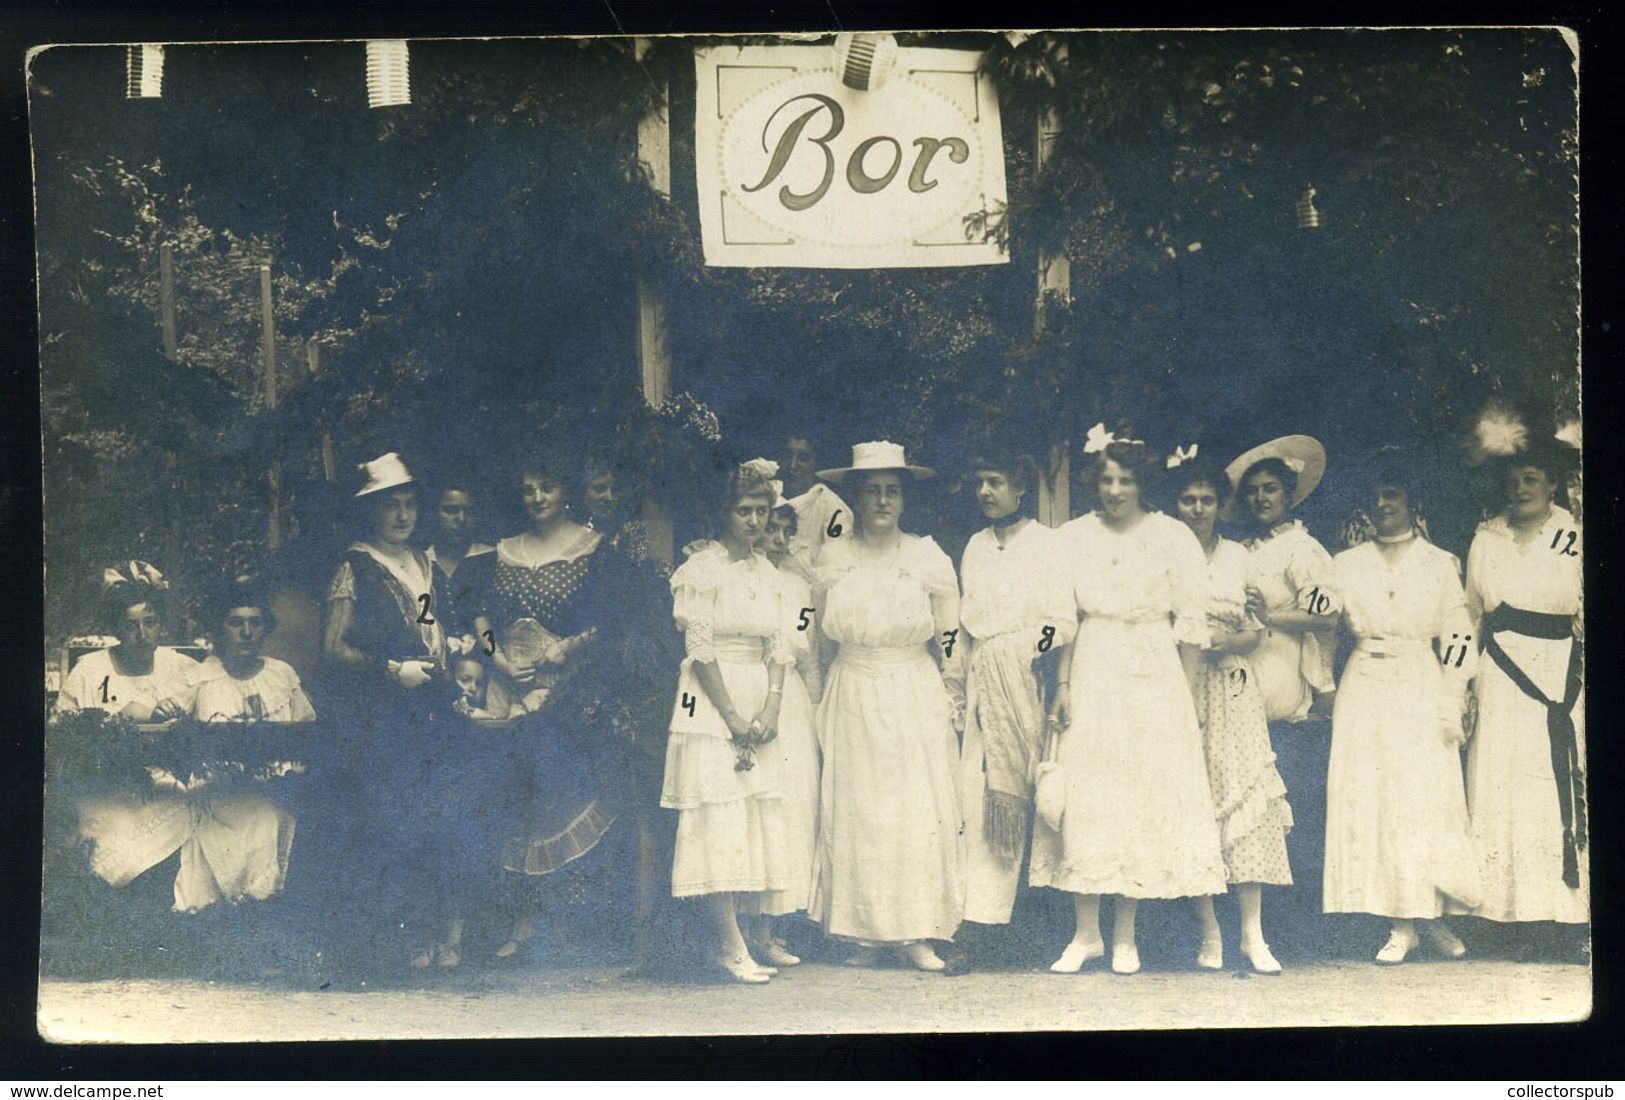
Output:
x=1302 y=454
x=384 y=472
x=878 y=455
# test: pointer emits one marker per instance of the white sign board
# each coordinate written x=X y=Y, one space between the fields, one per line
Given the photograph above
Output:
x=798 y=170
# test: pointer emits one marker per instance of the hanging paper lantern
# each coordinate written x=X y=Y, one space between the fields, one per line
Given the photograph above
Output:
x=864 y=61
x=388 y=79
x=1308 y=216
x=145 y=73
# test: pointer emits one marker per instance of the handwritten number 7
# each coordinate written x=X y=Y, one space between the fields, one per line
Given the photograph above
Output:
x=948 y=639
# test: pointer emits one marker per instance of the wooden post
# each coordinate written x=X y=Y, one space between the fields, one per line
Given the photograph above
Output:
x=1054 y=281
x=654 y=366
x=268 y=353
x=313 y=356
x=166 y=295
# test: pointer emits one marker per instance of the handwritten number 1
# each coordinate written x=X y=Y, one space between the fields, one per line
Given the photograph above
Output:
x=105 y=681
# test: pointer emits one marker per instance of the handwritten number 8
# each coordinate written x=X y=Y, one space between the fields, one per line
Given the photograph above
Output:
x=1047 y=640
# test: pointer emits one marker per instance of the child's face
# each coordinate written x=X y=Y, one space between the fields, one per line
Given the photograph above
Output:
x=471 y=678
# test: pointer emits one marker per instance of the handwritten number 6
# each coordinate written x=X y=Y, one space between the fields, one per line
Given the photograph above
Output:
x=834 y=529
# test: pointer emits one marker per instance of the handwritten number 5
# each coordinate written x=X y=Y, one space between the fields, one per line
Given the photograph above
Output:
x=805 y=622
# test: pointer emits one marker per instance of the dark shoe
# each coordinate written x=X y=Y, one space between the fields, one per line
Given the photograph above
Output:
x=956 y=958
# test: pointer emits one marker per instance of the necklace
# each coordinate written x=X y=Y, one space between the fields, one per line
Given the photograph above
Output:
x=1394 y=539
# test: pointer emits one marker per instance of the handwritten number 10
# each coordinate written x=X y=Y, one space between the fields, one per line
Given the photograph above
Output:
x=1319 y=602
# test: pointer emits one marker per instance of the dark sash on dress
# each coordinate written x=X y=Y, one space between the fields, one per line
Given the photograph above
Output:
x=1566 y=765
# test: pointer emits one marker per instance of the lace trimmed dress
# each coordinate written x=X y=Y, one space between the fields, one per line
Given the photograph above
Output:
x=890 y=862
x=1293 y=571
x=1396 y=809
x=1139 y=820
x=1248 y=794
x=1511 y=786
x=1016 y=599
x=731 y=826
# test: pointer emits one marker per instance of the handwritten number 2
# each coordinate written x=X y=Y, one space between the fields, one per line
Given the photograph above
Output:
x=423 y=616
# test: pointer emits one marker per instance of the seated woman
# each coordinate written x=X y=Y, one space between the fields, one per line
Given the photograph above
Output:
x=132 y=677
x=233 y=840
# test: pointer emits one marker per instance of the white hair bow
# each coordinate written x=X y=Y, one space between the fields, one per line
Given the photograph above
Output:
x=1182 y=455
x=1099 y=439
x=764 y=468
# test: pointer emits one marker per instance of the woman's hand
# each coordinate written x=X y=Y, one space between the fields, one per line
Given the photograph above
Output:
x=411 y=674
x=167 y=710
x=738 y=728
x=1060 y=711
x=766 y=725
x=518 y=672
x=1257 y=605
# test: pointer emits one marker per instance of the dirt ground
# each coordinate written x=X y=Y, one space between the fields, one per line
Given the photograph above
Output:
x=812 y=999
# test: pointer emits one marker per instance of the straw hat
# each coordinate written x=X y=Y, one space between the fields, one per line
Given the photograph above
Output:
x=879 y=455
x=1302 y=454
x=384 y=472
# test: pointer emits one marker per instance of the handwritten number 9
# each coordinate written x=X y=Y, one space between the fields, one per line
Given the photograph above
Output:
x=834 y=529
x=423 y=616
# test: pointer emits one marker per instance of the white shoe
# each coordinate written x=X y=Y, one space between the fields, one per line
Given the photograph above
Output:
x=1445 y=941
x=1125 y=958
x=1076 y=954
x=1211 y=954
x=1260 y=956
x=1398 y=946
x=921 y=957
x=775 y=952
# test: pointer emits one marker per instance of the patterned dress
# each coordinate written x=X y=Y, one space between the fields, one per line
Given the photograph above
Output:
x=1138 y=821
x=1248 y=795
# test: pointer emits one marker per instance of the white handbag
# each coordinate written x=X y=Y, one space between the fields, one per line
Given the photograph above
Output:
x=1049 y=786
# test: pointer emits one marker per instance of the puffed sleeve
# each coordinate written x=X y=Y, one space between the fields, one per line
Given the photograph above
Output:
x=694 y=603
x=76 y=690
x=1310 y=575
x=1188 y=585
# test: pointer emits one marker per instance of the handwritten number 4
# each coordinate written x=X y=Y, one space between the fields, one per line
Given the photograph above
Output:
x=688 y=703
x=1568 y=550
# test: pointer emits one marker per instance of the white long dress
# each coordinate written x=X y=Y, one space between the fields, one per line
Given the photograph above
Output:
x=1139 y=821
x=793 y=755
x=1396 y=809
x=731 y=825
x=890 y=860
x=1012 y=592
x=1511 y=789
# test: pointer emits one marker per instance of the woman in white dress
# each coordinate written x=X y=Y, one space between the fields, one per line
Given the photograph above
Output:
x=889 y=870
x=1138 y=822
x=1248 y=795
x=732 y=846
x=1016 y=607
x=1289 y=592
x=1396 y=809
x=1526 y=762
x=134 y=676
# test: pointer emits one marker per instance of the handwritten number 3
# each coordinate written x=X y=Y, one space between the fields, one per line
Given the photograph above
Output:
x=423 y=616
x=490 y=644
